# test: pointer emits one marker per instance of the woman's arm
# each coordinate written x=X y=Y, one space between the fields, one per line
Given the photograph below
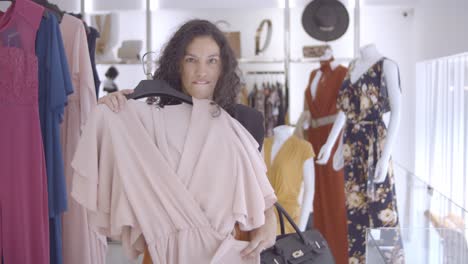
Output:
x=263 y=237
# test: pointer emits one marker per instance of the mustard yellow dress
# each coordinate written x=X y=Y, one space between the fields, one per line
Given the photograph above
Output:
x=285 y=173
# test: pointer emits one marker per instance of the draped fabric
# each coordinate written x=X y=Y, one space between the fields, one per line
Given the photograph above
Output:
x=146 y=177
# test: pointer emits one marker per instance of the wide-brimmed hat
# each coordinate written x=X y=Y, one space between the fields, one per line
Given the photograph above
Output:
x=325 y=20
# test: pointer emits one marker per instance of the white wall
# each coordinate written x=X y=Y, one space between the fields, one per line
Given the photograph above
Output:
x=393 y=34
x=441 y=28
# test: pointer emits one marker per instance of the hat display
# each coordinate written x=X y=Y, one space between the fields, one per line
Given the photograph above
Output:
x=325 y=20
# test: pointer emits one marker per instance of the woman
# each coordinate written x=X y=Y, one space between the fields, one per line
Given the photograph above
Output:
x=198 y=61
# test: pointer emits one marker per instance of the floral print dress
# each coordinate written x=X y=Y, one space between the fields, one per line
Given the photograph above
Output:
x=364 y=102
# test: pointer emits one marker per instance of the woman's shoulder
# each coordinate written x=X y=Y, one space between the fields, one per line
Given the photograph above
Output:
x=243 y=112
x=252 y=120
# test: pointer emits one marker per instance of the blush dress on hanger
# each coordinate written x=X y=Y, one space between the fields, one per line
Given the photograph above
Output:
x=175 y=179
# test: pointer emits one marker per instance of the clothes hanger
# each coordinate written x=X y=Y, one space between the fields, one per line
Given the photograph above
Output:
x=53 y=8
x=160 y=88
x=154 y=87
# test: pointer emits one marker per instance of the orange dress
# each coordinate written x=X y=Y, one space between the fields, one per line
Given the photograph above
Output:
x=329 y=201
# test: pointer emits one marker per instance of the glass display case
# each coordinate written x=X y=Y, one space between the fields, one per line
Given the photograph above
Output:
x=420 y=245
x=433 y=228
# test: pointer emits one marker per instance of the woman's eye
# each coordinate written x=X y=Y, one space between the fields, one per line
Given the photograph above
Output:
x=189 y=59
x=213 y=60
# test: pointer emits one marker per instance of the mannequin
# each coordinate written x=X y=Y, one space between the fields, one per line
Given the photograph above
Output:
x=281 y=134
x=327 y=57
x=315 y=124
x=370 y=90
x=369 y=56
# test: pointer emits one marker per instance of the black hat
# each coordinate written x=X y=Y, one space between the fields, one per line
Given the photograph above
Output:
x=325 y=20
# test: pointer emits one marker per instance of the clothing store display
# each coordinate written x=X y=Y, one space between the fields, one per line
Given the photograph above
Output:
x=285 y=173
x=92 y=37
x=329 y=201
x=269 y=101
x=325 y=20
x=184 y=224
x=24 y=221
x=54 y=87
x=298 y=247
x=81 y=245
x=364 y=102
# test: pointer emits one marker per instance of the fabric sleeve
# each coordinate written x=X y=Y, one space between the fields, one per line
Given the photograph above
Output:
x=253 y=192
x=84 y=72
x=97 y=185
x=58 y=79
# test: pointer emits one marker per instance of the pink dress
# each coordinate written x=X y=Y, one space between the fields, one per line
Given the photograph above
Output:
x=24 y=222
x=81 y=245
x=176 y=179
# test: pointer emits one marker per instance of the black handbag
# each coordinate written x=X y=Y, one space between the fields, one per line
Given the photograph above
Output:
x=297 y=248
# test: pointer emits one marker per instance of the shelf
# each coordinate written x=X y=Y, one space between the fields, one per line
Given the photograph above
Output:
x=259 y=60
x=317 y=60
x=118 y=63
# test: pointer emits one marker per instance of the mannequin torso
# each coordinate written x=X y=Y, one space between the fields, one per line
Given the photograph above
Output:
x=281 y=135
x=369 y=56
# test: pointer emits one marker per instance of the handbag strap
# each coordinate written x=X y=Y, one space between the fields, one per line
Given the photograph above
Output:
x=282 y=213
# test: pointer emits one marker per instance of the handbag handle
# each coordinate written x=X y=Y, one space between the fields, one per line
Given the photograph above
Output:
x=282 y=213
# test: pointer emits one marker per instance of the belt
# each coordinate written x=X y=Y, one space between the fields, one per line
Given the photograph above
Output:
x=322 y=121
x=364 y=122
x=259 y=50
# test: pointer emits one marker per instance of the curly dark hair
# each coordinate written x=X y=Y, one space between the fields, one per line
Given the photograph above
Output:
x=169 y=69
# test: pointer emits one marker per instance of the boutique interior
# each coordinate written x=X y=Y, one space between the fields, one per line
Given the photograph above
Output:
x=364 y=107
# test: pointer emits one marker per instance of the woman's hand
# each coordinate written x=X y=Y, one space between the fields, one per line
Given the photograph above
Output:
x=263 y=237
x=115 y=101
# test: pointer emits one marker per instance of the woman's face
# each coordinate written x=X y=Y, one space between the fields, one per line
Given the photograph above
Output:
x=201 y=68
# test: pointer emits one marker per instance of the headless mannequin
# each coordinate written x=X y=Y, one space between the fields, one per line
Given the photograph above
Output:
x=369 y=56
x=280 y=135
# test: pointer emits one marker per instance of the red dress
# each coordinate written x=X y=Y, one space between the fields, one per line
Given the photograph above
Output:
x=329 y=201
x=24 y=225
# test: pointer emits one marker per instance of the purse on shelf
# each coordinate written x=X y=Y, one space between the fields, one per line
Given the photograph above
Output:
x=297 y=248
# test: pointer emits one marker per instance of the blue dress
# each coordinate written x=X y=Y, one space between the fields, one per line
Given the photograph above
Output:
x=54 y=87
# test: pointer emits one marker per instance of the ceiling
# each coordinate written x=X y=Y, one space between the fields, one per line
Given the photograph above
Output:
x=265 y=3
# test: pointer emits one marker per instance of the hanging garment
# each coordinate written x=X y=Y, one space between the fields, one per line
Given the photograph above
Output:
x=24 y=221
x=252 y=121
x=164 y=159
x=329 y=200
x=243 y=96
x=286 y=174
x=282 y=109
x=54 y=87
x=81 y=245
x=92 y=37
x=272 y=110
x=364 y=102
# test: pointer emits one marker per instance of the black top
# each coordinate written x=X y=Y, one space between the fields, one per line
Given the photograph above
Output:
x=252 y=120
